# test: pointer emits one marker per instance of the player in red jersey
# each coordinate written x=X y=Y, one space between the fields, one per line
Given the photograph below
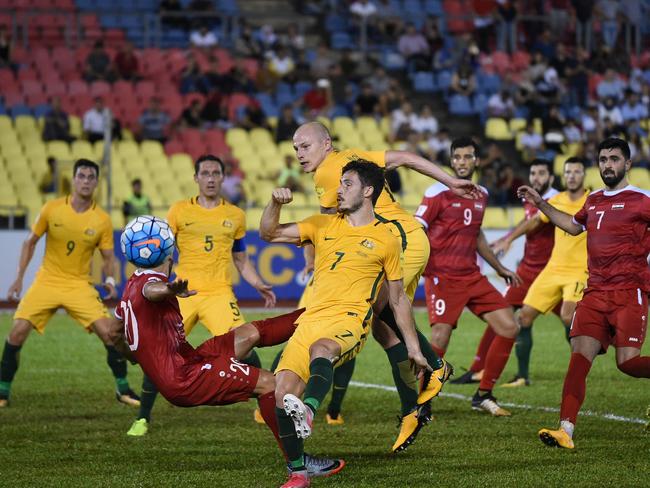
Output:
x=537 y=250
x=453 y=279
x=614 y=308
x=211 y=374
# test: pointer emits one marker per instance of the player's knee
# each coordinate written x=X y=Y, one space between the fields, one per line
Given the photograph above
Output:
x=19 y=332
x=383 y=335
x=567 y=317
x=525 y=319
x=324 y=349
x=265 y=383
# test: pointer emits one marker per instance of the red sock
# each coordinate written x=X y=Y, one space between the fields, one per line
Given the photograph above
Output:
x=483 y=348
x=495 y=361
x=266 y=403
x=277 y=330
x=639 y=367
x=438 y=351
x=575 y=387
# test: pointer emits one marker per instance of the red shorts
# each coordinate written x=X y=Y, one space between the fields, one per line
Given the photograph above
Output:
x=515 y=294
x=447 y=297
x=213 y=376
x=612 y=317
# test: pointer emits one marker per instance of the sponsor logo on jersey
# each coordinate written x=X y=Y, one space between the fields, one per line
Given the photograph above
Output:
x=618 y=206
x=227 y=223
x=456 y=204
x=478 y=205
x=207 y=366
x=592 y=207
x=89 y=232
x=633 y=339
x=368 y=243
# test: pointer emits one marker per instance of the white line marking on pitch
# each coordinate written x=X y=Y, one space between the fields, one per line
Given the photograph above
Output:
x=457 y=396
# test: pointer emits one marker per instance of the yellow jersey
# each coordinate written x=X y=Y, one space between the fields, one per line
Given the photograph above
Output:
x=205 y=238
x=327 y=180
x=351 y=263
x=569 y=252
x=71 y=240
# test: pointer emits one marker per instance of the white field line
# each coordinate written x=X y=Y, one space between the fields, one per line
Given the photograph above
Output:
x=457 y=396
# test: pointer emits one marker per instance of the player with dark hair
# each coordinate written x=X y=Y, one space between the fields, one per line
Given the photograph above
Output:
x=614 y=308
x=75 y=227
x=452 y=278
x=355 y=254
x=537 y=250
x=313 y=145
x=210 y=236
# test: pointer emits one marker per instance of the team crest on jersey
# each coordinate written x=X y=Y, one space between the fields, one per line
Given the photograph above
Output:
x=456 y=204
x=592 y=207
x=368 y=243
x=227 y=223
x=320 y=190
x=89 y=232
x=618 y=206
x=478 y=206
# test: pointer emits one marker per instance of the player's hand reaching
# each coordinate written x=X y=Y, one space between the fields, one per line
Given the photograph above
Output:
x=282 y=196
x=14 y=290
x=267 y=293
x=511 y=278
x=500 y=247
x=111 y=291
x=419 y=363
x=529 y=194
x=179 y=288
x=465 y=188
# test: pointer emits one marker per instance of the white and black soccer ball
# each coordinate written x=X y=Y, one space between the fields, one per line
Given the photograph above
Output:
x=147 y=241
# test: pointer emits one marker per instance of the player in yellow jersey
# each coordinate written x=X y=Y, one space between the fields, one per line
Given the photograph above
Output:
x=209 y=235
x=355 y=254
x=313 y=145
x=564 y=277
x=75 y=227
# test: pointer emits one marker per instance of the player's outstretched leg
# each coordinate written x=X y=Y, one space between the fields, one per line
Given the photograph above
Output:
x=11 y=357
x=475 y=371
x=341 y=380
x=147 y=399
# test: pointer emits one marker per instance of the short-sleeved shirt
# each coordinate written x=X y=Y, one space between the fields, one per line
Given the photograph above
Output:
x=453 y=224
x=205 y=239
x=569 y=252
x=616 y=223
x=327 y=180
x=72 y=238
x=351 y=263
x=539 y=242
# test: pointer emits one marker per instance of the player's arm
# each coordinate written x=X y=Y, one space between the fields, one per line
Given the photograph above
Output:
x=401 y=307
x=464 y=188
x=118 y=338
x=157 y=291
x=560 y=219
x=502 y=245
x=271 y=230
x=108 y=268
x=486 y=253
x=26 y=254
x=249 y=273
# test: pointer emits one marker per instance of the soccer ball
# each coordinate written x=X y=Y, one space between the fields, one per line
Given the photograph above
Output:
x=147 y=241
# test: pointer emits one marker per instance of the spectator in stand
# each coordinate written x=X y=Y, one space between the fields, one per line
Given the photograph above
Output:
x=401 y=123
x=608 y=12
x=431 y=32
x=94 y=121
x=213 y=79
x=635 y=12
x=52 y=182
x=545 y=44
x=553 y=127
x=639 y=150
x=98 y=64
x=267 y=37
x=531 y=142
x=608 y=109
x=484 y=13
x=379 y=81
x=281 y=64
x=590 y=122
x=232 y=187
x=212 y=108
x=636 y=81
x=236 y=80
x=287 y=125
x=463 y=82
x=443 y=60
x=439 y=145
x=5 y=48
x=367 y=103
x=577 y=71
x=341 y=92
x=507 y=185
x=560 y=62
x=57 y=124
x=254 y=117
x=633 y=109
x=363 y=10
x=154 y=122
x=203 y=38
x=489 y=180
x=137 y=204
x=318 y=101
x=584 y=11
x=201 y=6
x=170 y=12
x=388 y=20
x=507 y=28
x=413 y=46
x=126 y=63
x=411 y=143
x=558 y=17
x=289 y=176
x=246 y=45
x=425 y=121
x=572 y=132
x=192 y=80
x=293 y=40
x=322 y=62
x=501 y=105
x=392 y=99
x=191 y=116
x=611 y=86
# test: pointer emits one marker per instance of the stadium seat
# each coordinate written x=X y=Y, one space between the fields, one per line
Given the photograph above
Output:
x=236 y=136
x=639 y=177
x=424 y=82
x=343 y=125
x=593 y=180
x=82 y=149
x=497 y=129
x=59 y=150
x=460 y=105
x=495 y=218
x=517 y=125
x=25 y=124
x=151 y=149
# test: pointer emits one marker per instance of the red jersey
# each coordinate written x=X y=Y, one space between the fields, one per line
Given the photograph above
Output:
x=539 y=242
x=154 y=333
x=616 y=223
x=453 y=224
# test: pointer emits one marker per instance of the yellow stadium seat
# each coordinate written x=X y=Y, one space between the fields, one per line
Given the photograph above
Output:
x=326 y=121
x=236 y=137
x=273 y=121
x=29 y=138
x=181 y=160
x=592 y=178
x=253 y=217
x=58 y=149
x=10 y=151
x=515 y=215
x=343 y=125
x=127 y=149
x=350 y=139
x=76 y=128
x=411 y=199
x=286 y=147
x=497 y=129
x=25 y=124
x=127 y=135
x=36 y=150
x=517 y=125
x=573 y=149
x=558 y=164
x=268 y=151
x=259 y=136
x=5 y=124
x=82 y=149
x=495 y=218
x=384 y=126
x=367 y=125
x=8 y=137
x=299 y=199
x=639 y=177
x=151 y=149
x=377 y=146
x=539 y=128
x=158 y=163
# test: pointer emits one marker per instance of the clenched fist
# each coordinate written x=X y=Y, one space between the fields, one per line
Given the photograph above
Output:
x=282 y=196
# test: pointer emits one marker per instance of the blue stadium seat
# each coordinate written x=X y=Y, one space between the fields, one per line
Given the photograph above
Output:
x=460 y=105
x=17 y=110
x=424 y=82
x=412 y=7
x=302 y=87
x=392 y=60
x=444 y=80
x=227 y=6
x=487 y=83
x=335 y=23
x=340 y=111
x=110 y=21
x=479 y=105
x=85 y=4
x=41 y=110
x=341 y=40
x=434 y=7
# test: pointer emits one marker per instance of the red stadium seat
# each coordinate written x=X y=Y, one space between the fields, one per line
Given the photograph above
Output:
x=78 y=87
x=191 y=137
x=14 y=97
x=39 y=98
x=7 y=79
x=27 y=74
x=145 y=90
x=174 y=147
x=251 y=67
x=520 y=60
x=501 y=62
x=235 y=101
x=55 y=88
x=29 y=87
x=99 y=88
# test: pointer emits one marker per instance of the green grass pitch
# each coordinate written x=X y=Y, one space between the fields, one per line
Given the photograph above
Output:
x=64 y=427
